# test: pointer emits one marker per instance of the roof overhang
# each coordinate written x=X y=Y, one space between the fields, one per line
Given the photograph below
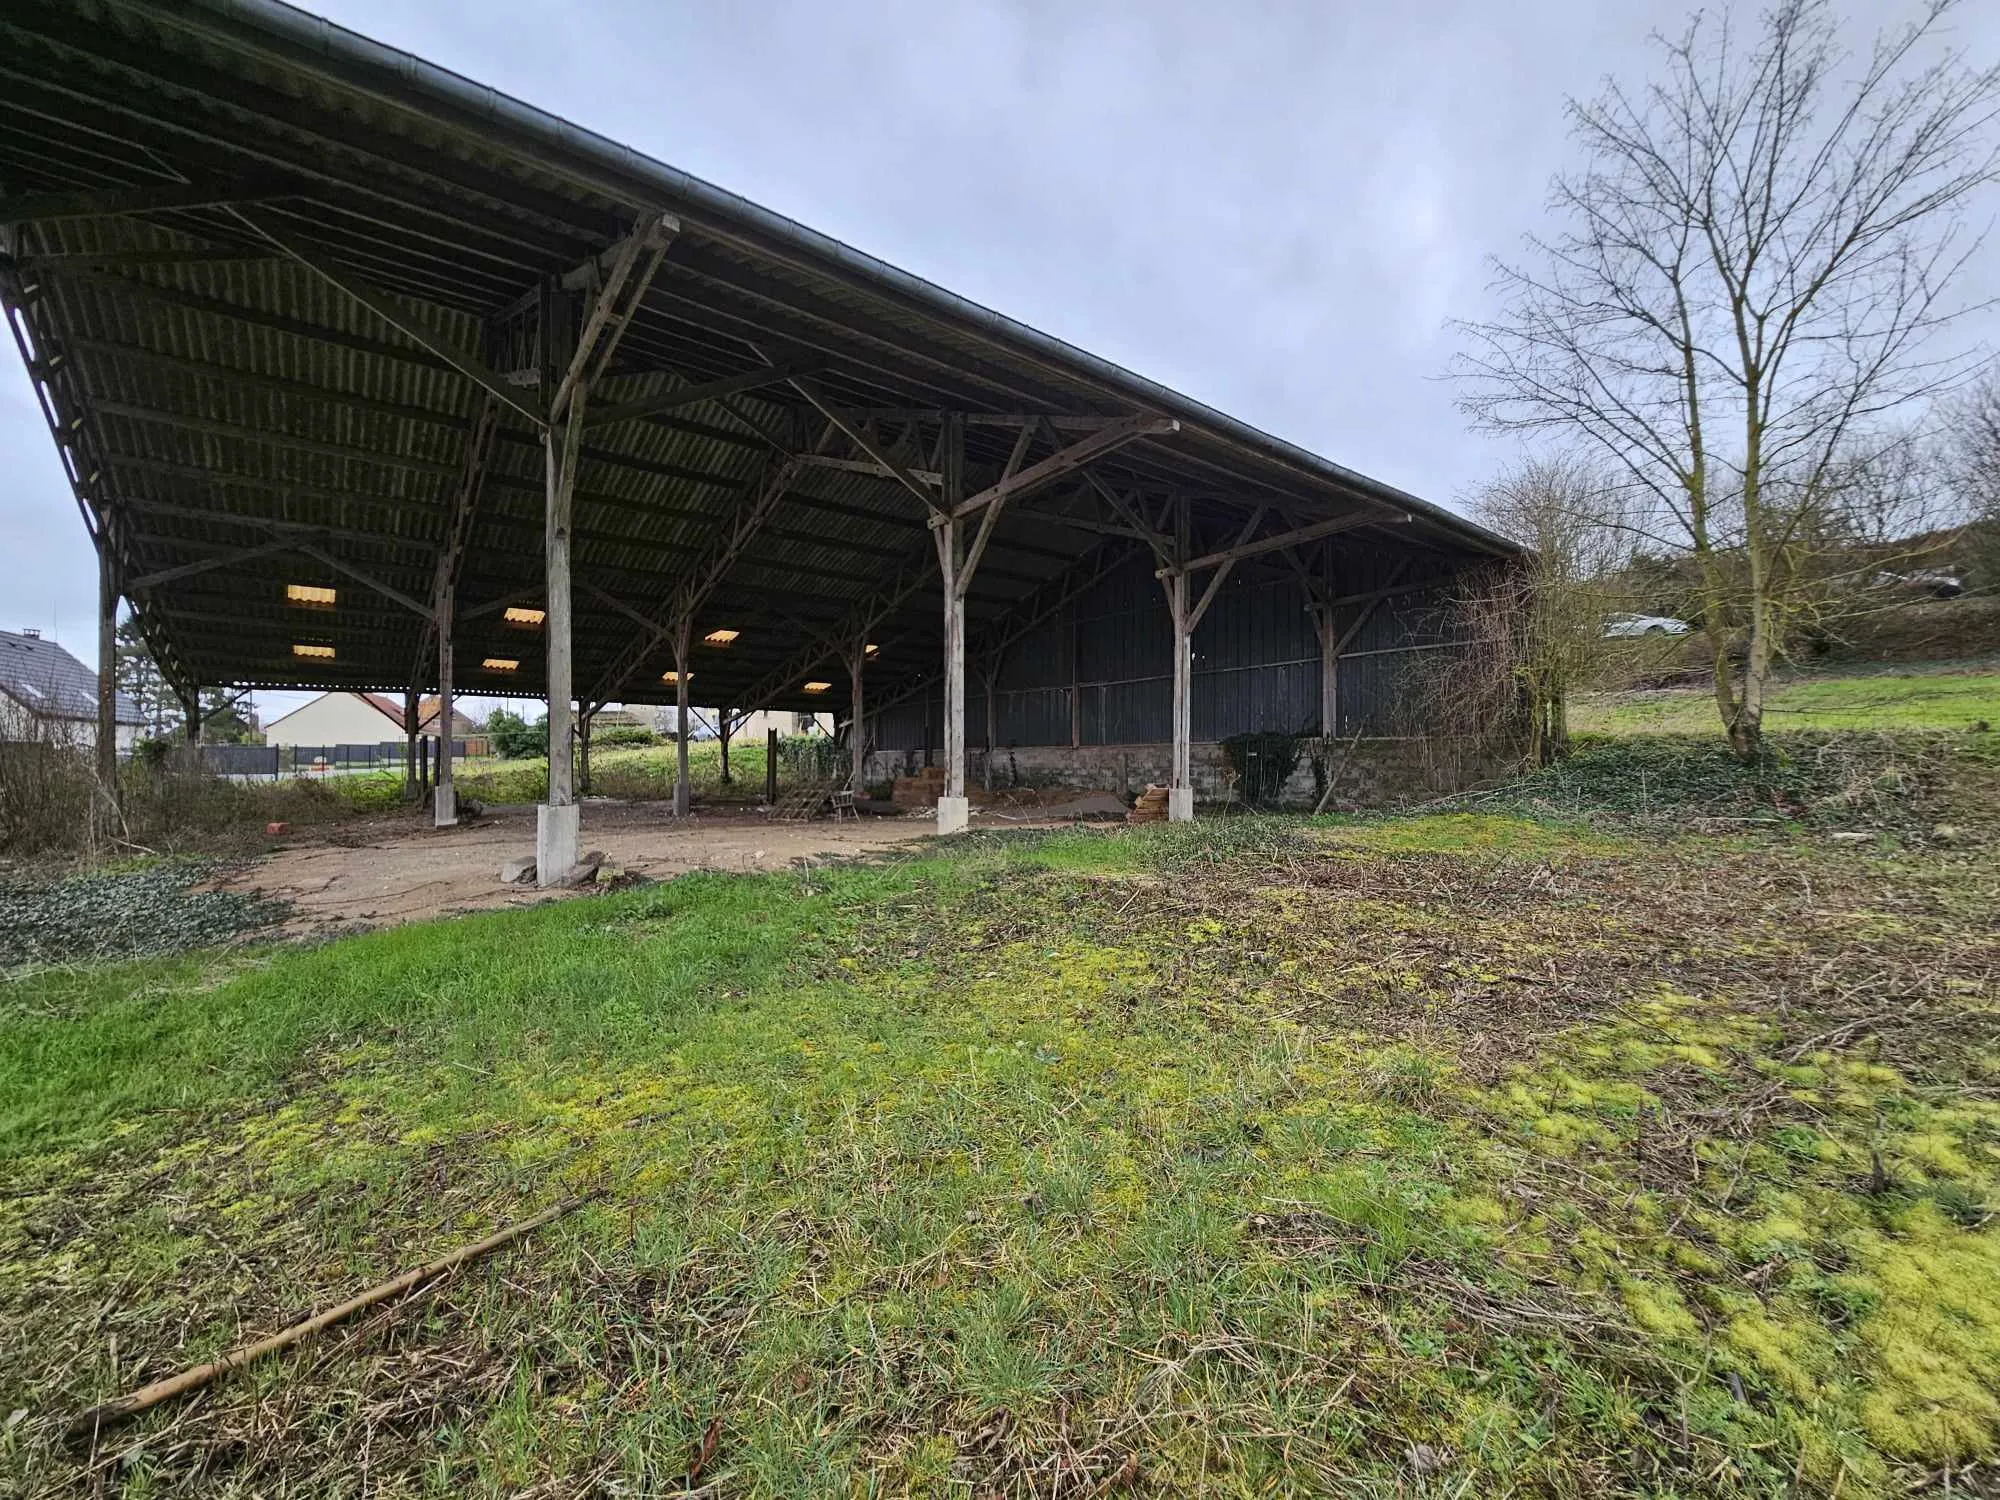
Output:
x=269 y=275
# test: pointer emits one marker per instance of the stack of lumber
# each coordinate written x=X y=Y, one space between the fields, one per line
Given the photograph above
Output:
x=1151 y=806
x=920 y=790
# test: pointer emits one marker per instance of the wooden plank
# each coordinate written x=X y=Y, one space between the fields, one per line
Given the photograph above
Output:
x=683 y=793
x=1286 y=539
x=633 y=262
x=109 y=797
x=853 y=433
x=558 y=626
x=709 y=390
x=951 y=561
x=1068 y=460
x=1222 y=572
x=207 y=564
x=387 y=591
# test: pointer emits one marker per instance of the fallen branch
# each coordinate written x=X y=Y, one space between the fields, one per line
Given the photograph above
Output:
x=94 y=1421
x=1338 y=771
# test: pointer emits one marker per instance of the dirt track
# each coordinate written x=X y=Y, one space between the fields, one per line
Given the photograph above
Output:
x=394 y=868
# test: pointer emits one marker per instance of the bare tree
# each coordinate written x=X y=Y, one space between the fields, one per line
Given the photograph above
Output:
x=1975 y=471
x=1753 y=266
x=1570 y=515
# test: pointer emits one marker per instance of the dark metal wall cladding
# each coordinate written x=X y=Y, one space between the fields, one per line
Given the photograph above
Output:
x=1256 y=667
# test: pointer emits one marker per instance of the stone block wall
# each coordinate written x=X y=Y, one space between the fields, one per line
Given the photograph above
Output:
x=1380 y=771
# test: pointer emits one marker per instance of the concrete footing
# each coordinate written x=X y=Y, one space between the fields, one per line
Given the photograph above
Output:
x=445 y=801
x=555 y=843
x=1180 y=804
x=953 y=814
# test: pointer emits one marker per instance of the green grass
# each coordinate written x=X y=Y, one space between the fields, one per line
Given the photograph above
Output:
x=1862 y=700
x=1434 y=1155
x=636 y=772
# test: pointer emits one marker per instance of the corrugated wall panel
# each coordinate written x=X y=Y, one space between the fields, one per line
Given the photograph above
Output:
x=1037 y=716
x=1256 y=666
x=1128 y=713
x=1283 y=698
x=1039 y=659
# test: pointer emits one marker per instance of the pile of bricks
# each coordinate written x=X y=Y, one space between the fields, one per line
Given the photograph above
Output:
x=1151 y=806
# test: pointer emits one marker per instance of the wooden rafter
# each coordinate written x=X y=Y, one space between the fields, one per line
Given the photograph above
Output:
x=386 y=308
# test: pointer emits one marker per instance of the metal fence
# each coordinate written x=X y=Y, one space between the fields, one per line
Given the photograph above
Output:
x=312 y=760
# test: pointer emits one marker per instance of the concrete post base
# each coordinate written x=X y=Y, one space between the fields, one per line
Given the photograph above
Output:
x=954 y=813
x=1180 y=804
x=555 y=843
x=446 y=804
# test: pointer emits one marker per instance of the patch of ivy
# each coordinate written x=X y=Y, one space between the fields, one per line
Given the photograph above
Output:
x=1263 y=762
x=1824 y=780
x=132 y=912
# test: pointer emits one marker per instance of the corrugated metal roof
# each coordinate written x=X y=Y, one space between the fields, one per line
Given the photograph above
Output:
x=214 y=395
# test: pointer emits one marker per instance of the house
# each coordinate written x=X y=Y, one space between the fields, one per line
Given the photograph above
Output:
x=48 y=695
x=756 y=725
x=465 y=731
x=339 y=719
x=366 y=719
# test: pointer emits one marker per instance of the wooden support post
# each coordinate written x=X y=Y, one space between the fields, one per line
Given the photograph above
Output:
x=445 y=804
x=557 y=820
x=191 y=707
x=1329 y=674
x=857 y=733
x=722 y=728
x=1180 y=786
x=683 y=642
x=412 y=705
x=585 y=719
x=573 y=353
x=109 y=801
x=992 y=680
x=423 y=768
x=953 y=812
x=771 y=767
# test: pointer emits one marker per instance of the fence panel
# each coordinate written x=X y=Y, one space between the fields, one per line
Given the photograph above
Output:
x=240 y=760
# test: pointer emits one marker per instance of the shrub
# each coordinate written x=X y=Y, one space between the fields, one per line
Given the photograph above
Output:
x=514 y=738
x=619 y=734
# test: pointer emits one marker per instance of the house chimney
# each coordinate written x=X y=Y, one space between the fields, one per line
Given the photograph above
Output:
x=32 y=632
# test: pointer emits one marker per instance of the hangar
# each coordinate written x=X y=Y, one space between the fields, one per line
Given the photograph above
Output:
x=370 y=378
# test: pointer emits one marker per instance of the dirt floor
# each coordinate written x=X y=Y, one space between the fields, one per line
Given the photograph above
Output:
x=394 y=868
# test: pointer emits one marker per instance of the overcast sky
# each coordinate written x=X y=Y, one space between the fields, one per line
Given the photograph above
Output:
x=1271 y=205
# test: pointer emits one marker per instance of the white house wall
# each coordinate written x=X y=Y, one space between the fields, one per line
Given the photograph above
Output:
x=333 y=719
